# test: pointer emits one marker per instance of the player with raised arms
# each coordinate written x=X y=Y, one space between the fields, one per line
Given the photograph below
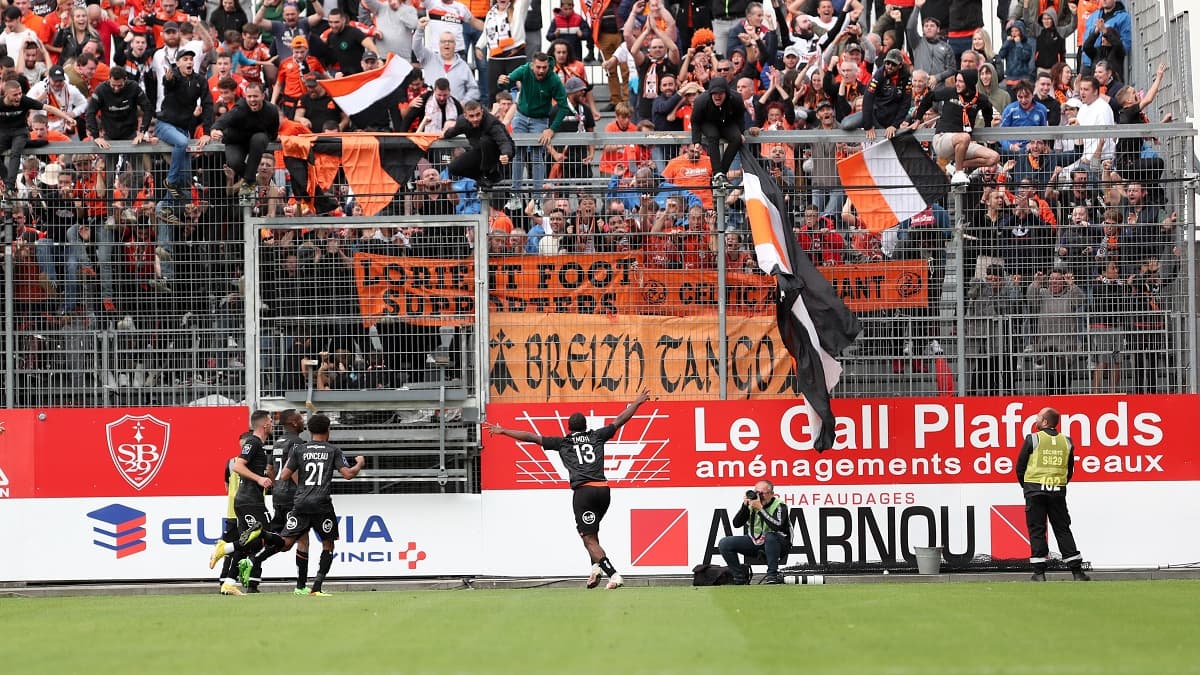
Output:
x=582 y=452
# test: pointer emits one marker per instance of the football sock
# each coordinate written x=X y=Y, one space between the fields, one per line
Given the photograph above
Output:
x=225 y=566
x=322 y=570
x=301 y=569
x=607 y=566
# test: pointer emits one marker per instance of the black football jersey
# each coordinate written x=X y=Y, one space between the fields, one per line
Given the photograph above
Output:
x=582 y=453
x=257 y=459
x=284 y=491
x=315 y=463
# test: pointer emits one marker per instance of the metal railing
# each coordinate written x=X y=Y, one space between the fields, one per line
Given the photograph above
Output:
x=680 y=307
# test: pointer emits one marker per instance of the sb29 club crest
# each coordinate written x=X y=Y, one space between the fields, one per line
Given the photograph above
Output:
x=138 y=446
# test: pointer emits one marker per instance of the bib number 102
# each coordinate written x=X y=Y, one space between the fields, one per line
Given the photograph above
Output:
x=585 y=453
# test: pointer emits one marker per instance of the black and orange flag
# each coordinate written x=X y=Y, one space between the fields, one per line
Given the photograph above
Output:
x=375 y=166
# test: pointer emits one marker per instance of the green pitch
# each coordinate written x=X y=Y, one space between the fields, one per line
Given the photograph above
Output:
x=1058 y=627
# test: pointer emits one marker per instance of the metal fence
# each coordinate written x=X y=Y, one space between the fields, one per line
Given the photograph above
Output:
x=598 y=282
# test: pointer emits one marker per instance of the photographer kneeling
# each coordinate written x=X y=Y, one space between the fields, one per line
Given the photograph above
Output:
x=770 y=534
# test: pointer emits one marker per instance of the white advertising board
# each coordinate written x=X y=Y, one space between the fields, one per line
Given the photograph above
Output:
x=172 y=537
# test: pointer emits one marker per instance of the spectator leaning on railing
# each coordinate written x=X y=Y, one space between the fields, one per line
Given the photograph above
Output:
x=246 y=131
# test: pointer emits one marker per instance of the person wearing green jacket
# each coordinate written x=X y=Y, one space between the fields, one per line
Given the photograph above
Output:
x=541 y=106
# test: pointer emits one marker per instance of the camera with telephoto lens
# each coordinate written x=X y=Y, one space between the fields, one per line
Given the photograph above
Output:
x=751 y=494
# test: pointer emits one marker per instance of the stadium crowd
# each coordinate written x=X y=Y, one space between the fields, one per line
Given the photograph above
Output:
x=1062 y=229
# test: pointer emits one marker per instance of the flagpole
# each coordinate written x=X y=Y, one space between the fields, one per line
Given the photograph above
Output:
x=957 y=195
x=719 y=195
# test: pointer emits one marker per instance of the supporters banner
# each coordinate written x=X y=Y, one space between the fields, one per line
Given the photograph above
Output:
x=878 y=442
x=602 y=358
x=434 y=291
x=117 y=452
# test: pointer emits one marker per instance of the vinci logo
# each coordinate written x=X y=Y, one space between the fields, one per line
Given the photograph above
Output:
x=138 y=446
x=658 y=537
x=120 y=529
x=633 y=456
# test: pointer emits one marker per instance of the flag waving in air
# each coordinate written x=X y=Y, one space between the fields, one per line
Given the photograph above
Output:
x=891 y=181
x=363 y=96
x=813 y=321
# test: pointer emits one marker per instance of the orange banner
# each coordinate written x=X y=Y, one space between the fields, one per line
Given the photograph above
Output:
x=435 y=291
x=871 y=287
x=597 y=358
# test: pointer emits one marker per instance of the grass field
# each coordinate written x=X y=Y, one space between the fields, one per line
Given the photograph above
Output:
x=1116 y=627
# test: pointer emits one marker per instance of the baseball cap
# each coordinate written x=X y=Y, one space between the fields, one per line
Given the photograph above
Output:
x=574 y=85
x=854 y=47
x=57 y=74
x=792 y=51
x=1073 y=103
x=894 y=56
x=170 y=25
x=690 y=88
x=301 y=41
x=370 y=56
x=185 y=52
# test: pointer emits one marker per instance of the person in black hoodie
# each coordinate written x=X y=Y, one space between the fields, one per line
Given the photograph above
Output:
x=717 y=117
x=246 y=130
x=1107 y=46
x=491 y=145
x=952 y=135
x=1050 y=46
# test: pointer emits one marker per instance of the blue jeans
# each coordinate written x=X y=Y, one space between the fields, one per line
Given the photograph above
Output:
x=181 y=162
x=772 y=548
x=106 y=242
x=829 y=200
x=535 y=156
x=52 y=255
x=165 y=238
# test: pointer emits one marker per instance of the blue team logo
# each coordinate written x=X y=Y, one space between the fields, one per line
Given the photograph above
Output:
x=119 y=528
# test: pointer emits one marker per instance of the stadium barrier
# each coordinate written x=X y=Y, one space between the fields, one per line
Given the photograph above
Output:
x=418 y=422
x=907 y=472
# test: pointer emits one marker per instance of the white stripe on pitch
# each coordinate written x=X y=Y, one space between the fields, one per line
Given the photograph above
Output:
x=767 y=252
x=377 y=88
x=893 y=182
x=833 y=369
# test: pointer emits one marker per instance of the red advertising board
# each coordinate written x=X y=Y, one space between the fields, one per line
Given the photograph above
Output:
x=118 y=452
x=879 y=441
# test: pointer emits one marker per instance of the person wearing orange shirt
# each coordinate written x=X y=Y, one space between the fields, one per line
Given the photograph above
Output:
x=221 y=70
x=168 y=11
x=289 y=87
x=32 y=21
x=615 y=155
x=52 y=22
x=692 y=169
